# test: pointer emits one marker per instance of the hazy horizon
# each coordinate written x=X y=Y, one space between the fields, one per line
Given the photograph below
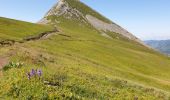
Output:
x=148 y=20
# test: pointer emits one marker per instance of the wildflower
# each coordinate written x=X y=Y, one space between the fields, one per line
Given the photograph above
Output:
x=17 y=64
x=33 y=72
x=39 y=72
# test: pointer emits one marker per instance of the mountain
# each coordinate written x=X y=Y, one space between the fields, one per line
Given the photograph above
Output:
x=161 y=45
x=73 y=9
x=76 y=53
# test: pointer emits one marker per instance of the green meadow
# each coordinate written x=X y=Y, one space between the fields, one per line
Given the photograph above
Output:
x=16 y=30
x=78 y=63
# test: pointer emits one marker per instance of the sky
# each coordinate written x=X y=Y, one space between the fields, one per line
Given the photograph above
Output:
x=146 y=19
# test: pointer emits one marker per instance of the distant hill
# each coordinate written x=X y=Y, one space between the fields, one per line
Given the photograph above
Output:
x=161 y=45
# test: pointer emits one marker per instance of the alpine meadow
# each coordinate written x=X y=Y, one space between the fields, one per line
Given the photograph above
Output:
x=75 y=53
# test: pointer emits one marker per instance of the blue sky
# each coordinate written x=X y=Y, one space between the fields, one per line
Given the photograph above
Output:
x=147 y=19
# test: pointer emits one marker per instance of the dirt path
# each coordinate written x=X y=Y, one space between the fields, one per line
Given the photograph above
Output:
x=45 y=35
x=29 y=38
x=3 y=62
x=40 y=36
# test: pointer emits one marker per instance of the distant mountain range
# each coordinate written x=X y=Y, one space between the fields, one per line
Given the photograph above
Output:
x=161 y=45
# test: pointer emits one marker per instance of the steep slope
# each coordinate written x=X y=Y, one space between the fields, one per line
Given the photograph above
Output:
x=161 y=45
x=84 y=62
x=17 y=30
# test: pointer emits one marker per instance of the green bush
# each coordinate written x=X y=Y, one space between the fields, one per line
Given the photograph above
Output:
x=12 y=65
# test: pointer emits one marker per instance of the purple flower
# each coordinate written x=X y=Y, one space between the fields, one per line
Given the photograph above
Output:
x=33 y=72
x=39 y=72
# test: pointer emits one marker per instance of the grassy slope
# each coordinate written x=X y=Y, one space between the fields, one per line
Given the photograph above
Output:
x=17 y=30
x=86 y=65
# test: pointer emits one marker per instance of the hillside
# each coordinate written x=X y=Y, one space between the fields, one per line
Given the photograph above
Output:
x=82 y=61
x=17 y=30
x=161 y=45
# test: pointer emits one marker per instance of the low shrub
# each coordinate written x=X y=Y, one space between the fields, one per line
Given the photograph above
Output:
x=12 y=65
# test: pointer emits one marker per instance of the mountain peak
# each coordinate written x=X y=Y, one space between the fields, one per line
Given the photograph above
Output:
x=74 y=9
x=71 y=9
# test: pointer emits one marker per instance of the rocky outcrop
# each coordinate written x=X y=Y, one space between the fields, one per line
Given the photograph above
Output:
x=103 y=26
x=62 y=8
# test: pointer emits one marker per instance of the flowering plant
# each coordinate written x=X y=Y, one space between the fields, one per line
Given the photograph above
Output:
x=34 y=73
x=13 y=65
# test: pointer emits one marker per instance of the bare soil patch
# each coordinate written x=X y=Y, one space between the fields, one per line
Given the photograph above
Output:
x=3 y=62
